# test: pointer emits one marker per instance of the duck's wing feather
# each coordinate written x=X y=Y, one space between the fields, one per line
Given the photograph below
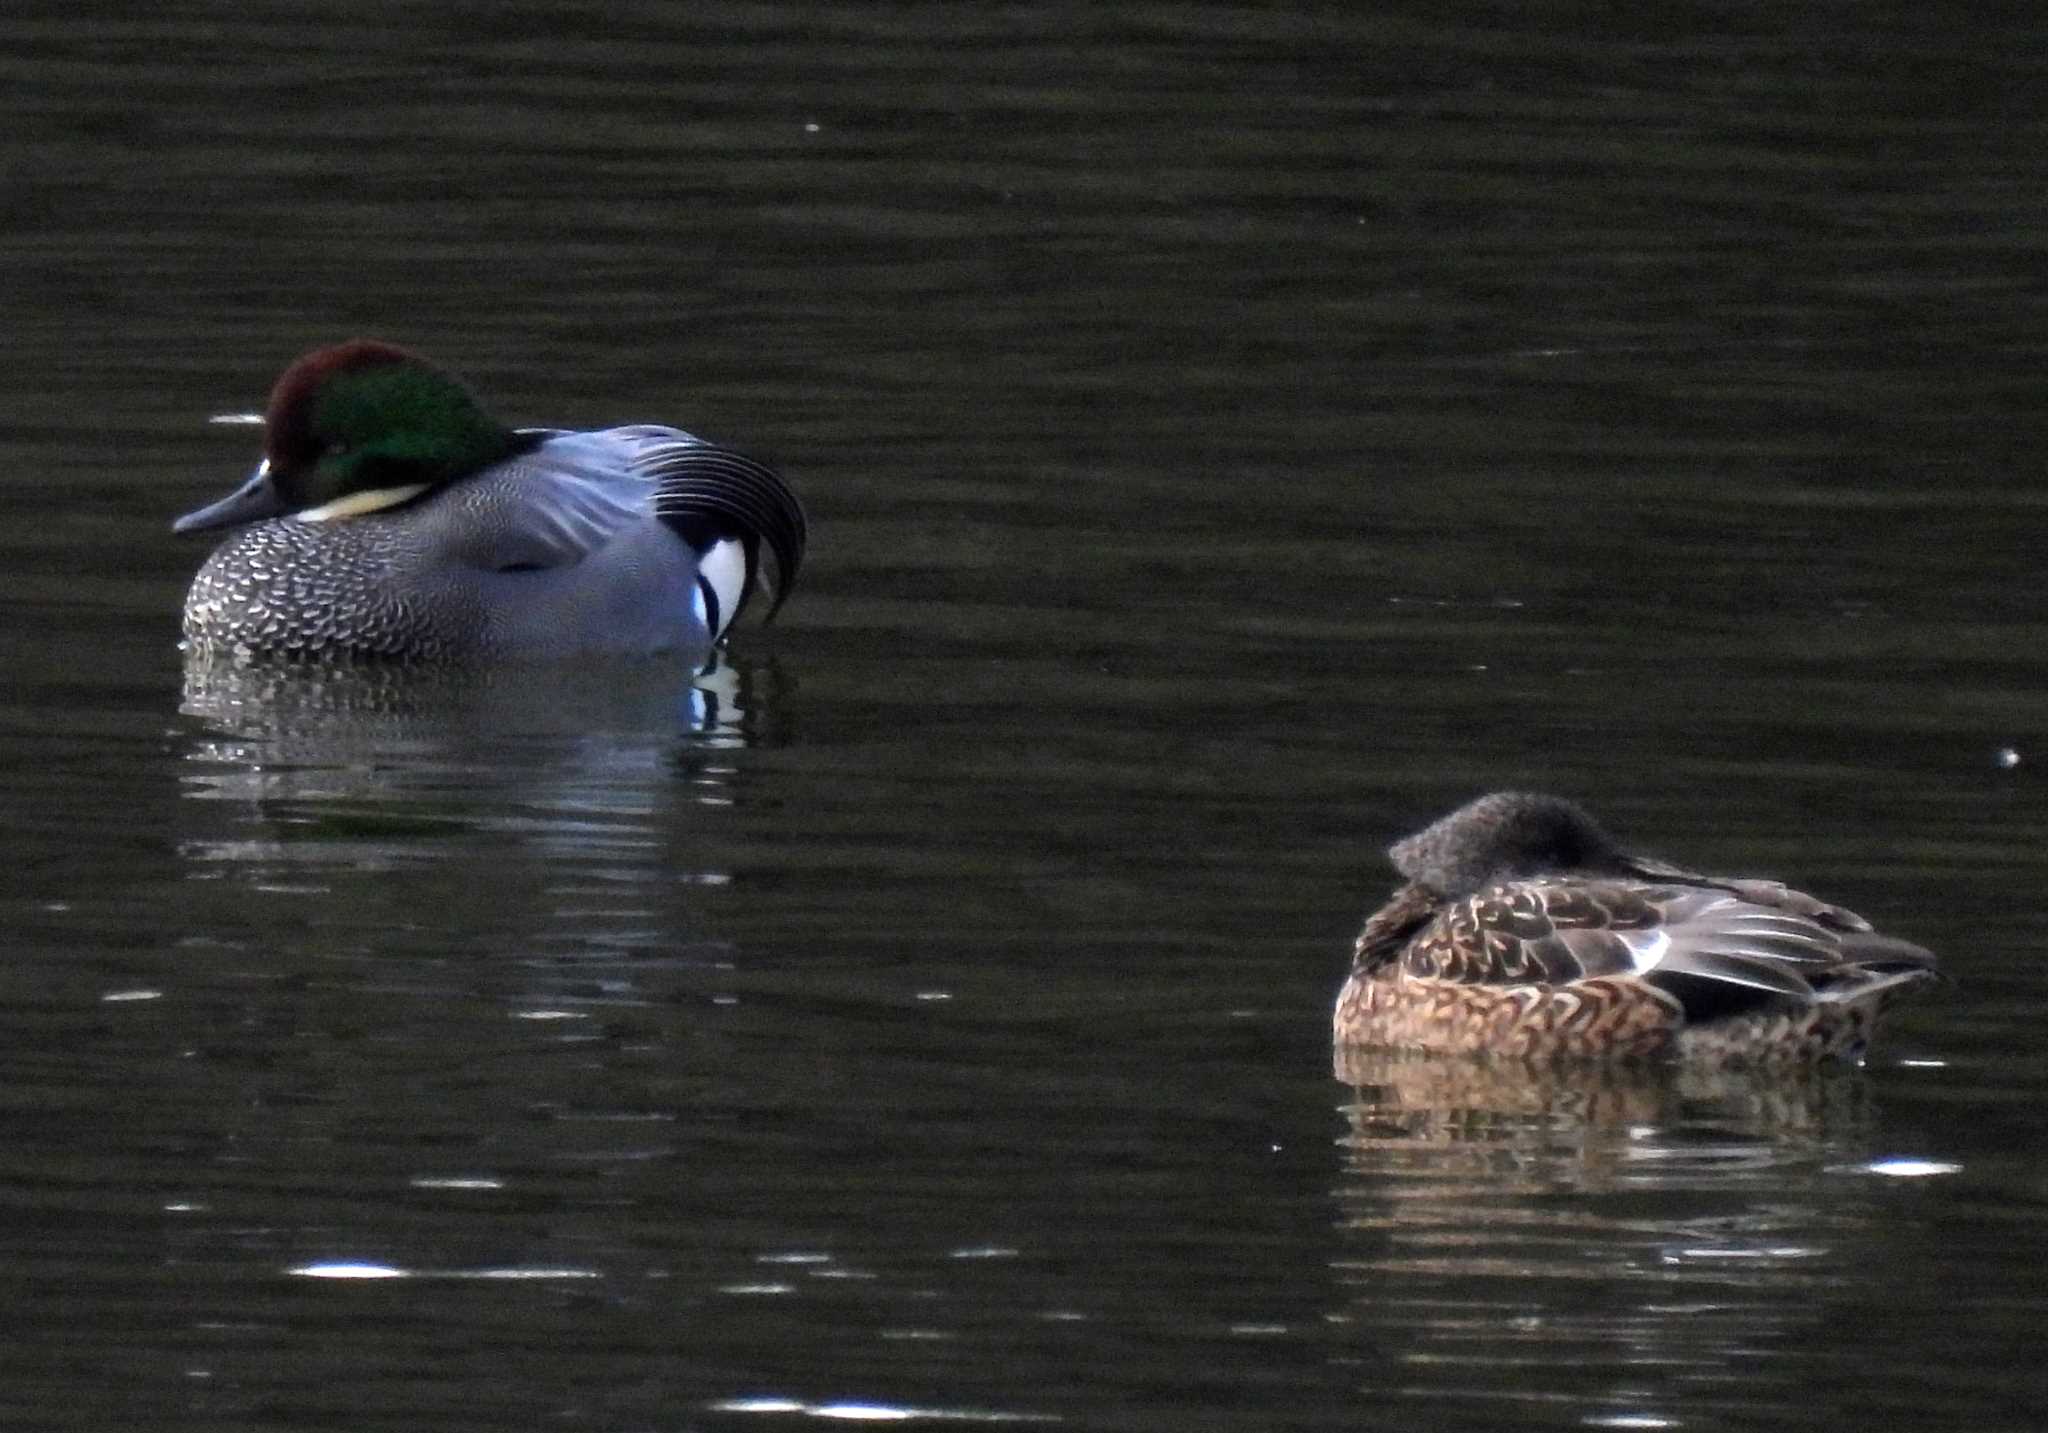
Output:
x=1829 y=947
x=552 y=506
x=1388 y=930
x=1549 y=932
x=573 y=493
x=1719 y=937
x=1554 y=932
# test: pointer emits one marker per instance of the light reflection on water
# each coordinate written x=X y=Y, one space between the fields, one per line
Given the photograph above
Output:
x=345 y=1269
x=855 y=1412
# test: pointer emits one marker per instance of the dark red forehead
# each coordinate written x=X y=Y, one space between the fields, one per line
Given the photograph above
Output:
x=288 y=439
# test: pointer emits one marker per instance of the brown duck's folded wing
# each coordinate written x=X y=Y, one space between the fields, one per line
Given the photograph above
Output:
x=1780 y=897
x=1556 y=932
x=1856 y=944
x=1726 y=939
x=1388 y=929
x=1534 y=932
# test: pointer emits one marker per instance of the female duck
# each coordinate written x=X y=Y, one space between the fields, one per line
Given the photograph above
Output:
x=394 y=517
x=1524 y=930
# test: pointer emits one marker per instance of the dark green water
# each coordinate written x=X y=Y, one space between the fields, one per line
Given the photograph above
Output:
x=1232 y=436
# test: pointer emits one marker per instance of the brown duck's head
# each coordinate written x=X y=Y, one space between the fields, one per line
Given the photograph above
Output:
x=1509 y=835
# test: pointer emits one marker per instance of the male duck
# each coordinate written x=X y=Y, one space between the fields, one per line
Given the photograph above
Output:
x=394 y=517
x=1524 y=930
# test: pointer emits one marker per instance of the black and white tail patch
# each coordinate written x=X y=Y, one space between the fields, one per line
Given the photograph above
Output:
x=728 y=508
x=721 y=583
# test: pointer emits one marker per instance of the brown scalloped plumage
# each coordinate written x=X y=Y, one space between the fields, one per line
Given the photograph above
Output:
x=1524 y=931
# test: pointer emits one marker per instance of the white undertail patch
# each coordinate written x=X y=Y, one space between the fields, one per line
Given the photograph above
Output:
x=723 y=571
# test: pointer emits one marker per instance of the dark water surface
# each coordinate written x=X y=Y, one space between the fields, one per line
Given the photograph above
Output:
x=1232 y=435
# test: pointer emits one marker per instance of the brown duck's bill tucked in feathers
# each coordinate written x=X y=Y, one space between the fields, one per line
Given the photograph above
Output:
x=1525 y=929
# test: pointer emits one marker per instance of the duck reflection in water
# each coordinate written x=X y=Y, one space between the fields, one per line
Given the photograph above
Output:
x=294 y=766
x=1524 y=930
x=320 y=709
x=1622 y=1240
